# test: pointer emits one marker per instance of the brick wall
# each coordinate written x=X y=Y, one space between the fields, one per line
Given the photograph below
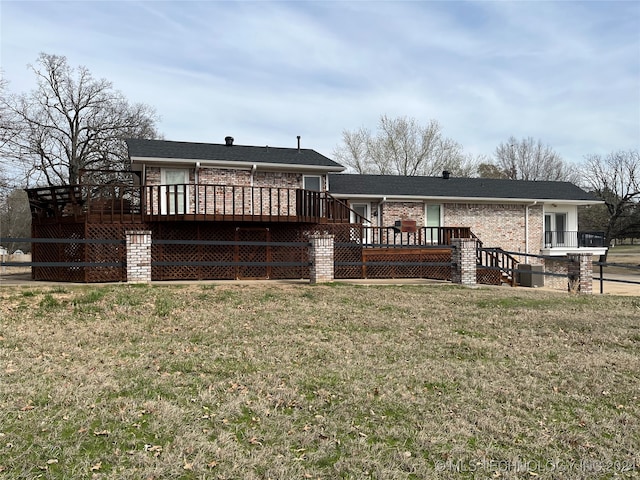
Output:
x=498 y=225
x=559 y=267
x=392 y=211
x=153 y=176
x=221 y=176
x=264 y=197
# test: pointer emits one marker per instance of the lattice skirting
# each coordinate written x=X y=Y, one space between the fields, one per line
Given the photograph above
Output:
x=348 y=253
x=80 y=252
x=488 y=277
x=235 y=252
x=416 y=260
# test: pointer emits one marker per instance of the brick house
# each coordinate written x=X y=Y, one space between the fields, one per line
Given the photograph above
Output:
x=535 y=217
x=256 y=200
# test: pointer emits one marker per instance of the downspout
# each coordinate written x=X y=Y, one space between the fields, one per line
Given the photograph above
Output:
x=196 y=181
x=526 y=229
x=143 y=190
x=384 y=200
x=254 y=167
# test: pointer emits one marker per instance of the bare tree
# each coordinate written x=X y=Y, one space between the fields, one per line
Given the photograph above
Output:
x=490 y=170
x=6 y=124
x=72 y=121
x=7 y=132
x=401 y=146
x=615 y=178
x=528 y=159
x=15 y=217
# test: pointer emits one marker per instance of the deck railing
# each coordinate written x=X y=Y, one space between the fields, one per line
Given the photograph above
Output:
x=75 y=202
x=187 y=201
x=243 y=203
x=565 y=239
x=422 y=236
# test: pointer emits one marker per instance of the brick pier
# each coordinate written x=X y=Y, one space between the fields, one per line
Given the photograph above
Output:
x=138 y=256
x=321 y=258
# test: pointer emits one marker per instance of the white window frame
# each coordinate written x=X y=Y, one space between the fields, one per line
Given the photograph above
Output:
x=169 y=209
x=557 y=240
x=304 y=182
x=368 y=234
x=427 y=218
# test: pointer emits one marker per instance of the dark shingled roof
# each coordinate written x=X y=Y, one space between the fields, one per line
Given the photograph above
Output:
x=222 y=152
x=394 y=185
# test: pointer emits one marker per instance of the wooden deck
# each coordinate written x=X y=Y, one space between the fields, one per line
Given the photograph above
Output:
x=127 y=204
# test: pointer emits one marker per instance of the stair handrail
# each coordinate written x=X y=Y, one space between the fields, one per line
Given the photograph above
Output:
x=504 y=261
x=359 y=218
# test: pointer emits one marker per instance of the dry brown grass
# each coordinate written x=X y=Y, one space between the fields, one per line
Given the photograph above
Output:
x=341 y=381
x=626 y=255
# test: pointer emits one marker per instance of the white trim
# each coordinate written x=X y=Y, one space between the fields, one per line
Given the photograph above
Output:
x=560 y=251
x=367 y=215
x=409 y=198
x=239 y=165
x=367 y=231
x=440 y=209
x=319 y=177
x=426 y=217
x=164 y=210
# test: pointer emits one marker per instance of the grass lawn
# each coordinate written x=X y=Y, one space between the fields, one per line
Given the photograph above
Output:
x=299 y=381
x=625 y=255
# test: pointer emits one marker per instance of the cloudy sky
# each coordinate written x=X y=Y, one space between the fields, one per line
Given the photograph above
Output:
x=567 y=73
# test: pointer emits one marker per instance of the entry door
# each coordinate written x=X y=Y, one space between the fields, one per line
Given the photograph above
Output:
x=174 y=192
x=364 y=211
x=555 y=225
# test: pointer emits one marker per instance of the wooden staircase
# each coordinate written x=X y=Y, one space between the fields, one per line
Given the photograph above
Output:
x=502 y=264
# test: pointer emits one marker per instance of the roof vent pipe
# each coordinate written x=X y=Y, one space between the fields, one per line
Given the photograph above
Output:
x=446 y=174
x=228 y=141
x=298 y=143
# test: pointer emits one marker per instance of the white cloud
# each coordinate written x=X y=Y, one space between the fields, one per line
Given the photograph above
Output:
x=565 y=72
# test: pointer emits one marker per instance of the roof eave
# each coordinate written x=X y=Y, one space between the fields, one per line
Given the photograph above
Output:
x=405 y=198
x=160 y=161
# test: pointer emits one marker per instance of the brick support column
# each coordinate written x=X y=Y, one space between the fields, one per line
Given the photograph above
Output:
x=321 y=258
x=138 y=256
x=464 y=257
x=580 y=272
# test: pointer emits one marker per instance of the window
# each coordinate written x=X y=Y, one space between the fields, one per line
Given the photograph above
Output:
x=174 y=191
x=312 y=182
x=561 y=227
x=432 y=222
x=555 y=226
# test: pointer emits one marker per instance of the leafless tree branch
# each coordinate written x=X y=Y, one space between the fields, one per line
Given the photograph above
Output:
x=70 y=122
x=402 y=146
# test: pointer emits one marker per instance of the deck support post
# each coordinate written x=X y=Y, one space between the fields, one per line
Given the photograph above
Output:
x=321 y=258
x=464 y=259
x=580 y=273
x=138 y=256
